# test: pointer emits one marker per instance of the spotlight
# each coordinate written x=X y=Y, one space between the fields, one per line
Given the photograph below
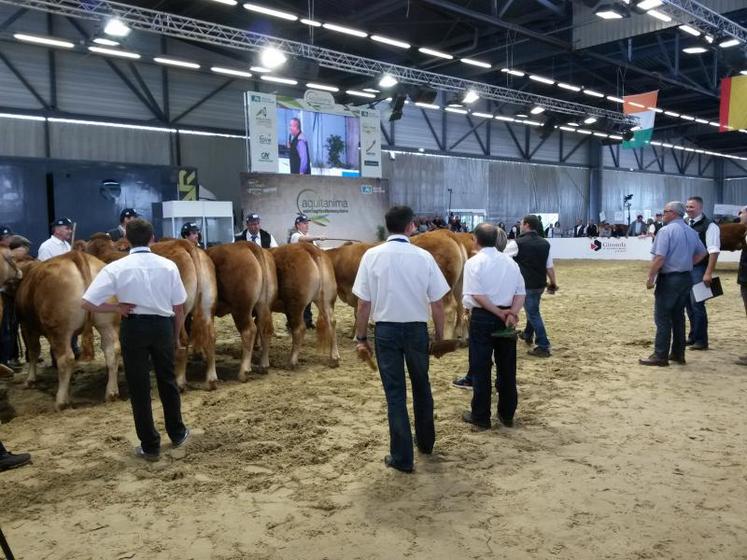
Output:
x=611 y=11
x=271 y=57
x=116 y=28
x=397 y=103
x=628 y=135
x=590 y=120
x=538 y=110
x=422 y=94
x=387 y=81
x=470 y=97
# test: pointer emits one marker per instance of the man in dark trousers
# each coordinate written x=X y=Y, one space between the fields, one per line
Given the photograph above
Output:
x=494 y=292
x=397 y=283
x=710 y=236
x=300 y=162
x=742 y=276
x=579 y=230
x=638 y=227
x=255 y=233
x=532 y=254
x=676 y=249
x=150 y=297
x=125 y=216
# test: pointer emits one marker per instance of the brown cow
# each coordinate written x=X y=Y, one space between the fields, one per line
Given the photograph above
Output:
x=732 y=237
x=101 y=246
x=198 y=276
x=346 y=259
x=305 y=274
x=48 y=304
x=247 y=285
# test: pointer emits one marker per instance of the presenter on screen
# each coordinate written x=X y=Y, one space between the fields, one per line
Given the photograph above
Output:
x=299 y=149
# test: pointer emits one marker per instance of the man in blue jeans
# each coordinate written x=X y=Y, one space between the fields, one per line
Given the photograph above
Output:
x=676 y=249
x=396 y=285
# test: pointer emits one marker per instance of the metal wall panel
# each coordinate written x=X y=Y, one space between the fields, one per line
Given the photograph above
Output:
x=21 y=138
x=457 y=126
x=735 y=191
x=31 y=62
x=412 y=129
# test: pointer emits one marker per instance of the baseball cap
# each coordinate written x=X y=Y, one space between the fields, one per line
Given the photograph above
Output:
x=190 y=227
x=302 y=218
x=5 y=230
x=252 y=218
x=62 y=222
x=127 y=213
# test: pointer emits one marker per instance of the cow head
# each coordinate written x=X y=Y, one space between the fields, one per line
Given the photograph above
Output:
x=9 y=271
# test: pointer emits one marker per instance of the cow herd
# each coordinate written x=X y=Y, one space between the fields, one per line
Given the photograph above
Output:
x=240 y=279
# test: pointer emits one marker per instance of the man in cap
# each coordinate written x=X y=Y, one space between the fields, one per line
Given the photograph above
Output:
x=59 y=242
x=192 y=232
x=256 y=234
x=125 y=216
x=5 y=234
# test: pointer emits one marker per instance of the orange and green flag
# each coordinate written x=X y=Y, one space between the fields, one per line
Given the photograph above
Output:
x=640 y=106
x=733 y=103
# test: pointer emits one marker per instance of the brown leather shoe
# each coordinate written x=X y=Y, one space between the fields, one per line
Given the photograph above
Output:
x=677 y=359
x=654 y=360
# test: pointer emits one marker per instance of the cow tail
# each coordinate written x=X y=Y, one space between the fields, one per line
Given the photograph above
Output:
x=83 y=265
x=199 y=334
x=323 y=331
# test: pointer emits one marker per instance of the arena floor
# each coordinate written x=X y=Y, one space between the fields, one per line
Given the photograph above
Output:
x=608 y=460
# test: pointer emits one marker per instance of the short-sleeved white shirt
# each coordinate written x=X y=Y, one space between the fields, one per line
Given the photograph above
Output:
x=297 y=235
x=492 y=274
x=52 y=247
x=150 y=281
x=400 y=280
x=512 y=249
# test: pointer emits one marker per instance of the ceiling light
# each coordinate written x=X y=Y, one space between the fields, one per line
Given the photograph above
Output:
x=709 y=39
x=277 y=80
x=701 y=121
x=345 y=30
x=474 y=62
x=569 y=87
x=691 y=30
x=744 y=72
x=532 y=123
x=260 y=69
x=610 y=11
x=712 y=123
x=513 y=72
x=504 y=119
x=39 y=40
x=615 y=99
x=590 y=120
x=470 y=97
x=230 y=72
x=270 y=57
x=601 y=134
x=616 y=137
x=270 y=12
x=593 y=93
x=655 y=109
x=311 y=22
x=729 y=43
x=660 y=16
x=687 y=117
x=573 y=124
x=21 y=117
x=567 y=129
x=392 y=42
x=427 y=106
x=322 y=87
x=671 y=114
x=227 y=2
x=116 y=28
x=537 y=110
x=635 y=128
x=357 y=93
x=456 y=110
x=438 y=54
x=387 y=81
x=174 y=62
x=648 y=4
x=114 y=52
x=584 y=131
x=537 y=78
x=634 y=104
x=483 y=115
x=371 y=90
x=694 y=50
x=106 y=42
x=521 y=116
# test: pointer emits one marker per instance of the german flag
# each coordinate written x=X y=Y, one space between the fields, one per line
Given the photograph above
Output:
x=733 y=103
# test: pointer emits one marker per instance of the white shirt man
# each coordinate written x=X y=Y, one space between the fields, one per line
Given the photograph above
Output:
x=494 y=275
x=58 y=243
x=302 y=232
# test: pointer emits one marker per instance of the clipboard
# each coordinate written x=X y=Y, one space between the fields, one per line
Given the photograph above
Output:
x=701 y=292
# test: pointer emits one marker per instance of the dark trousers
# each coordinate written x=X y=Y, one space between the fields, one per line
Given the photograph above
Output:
x=744 y=296
x=535 y=325
x=398 y=344
x=145 y=338
x=670 y=298
x=483 y=349
x=308 y=318
x=9 y=350
x=696 y=311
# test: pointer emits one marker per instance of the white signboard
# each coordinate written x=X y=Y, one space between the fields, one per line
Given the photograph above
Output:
x=261 y=109
x=370 y=143
x=613 y=248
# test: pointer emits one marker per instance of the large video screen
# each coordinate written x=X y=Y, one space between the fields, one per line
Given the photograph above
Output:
x=313 y=143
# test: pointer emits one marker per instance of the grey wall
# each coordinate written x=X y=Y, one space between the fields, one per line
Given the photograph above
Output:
x=735 y=191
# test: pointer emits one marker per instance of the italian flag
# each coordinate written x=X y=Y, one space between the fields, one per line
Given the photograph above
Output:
x=638 y=106
x=733 y=103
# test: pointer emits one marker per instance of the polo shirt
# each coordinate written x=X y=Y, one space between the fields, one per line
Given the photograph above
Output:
x=492 y=274
x=52 y=247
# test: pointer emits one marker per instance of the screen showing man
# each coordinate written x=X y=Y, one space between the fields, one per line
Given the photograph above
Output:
x=300 y=163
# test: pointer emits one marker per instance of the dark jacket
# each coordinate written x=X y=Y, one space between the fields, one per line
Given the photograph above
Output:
x=742 y=274
x=532 y=259
x=264 y=238
x=115 y=234
x=701 y=227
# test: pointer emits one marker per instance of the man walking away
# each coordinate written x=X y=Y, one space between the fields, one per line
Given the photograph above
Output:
x=742 y=276
x=676 y=249
x=396 y=284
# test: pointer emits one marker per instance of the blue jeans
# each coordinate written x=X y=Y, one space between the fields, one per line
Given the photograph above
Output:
x=398 y=344
x=535 y=326
x=671 y=295
x=696 y=311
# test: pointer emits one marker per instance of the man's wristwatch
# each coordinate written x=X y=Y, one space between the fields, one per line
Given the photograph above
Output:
x=361 y=338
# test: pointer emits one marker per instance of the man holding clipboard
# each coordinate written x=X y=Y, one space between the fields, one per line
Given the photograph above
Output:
x=676 y=249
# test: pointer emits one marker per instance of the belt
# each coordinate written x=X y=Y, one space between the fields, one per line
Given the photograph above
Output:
x=146 y=317
x=672 y=273
x=481 y=310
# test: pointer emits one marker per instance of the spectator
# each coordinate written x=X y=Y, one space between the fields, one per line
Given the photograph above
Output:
x=638 y=227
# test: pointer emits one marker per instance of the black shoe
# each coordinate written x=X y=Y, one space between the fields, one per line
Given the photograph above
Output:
x=689 y=342
x=741 y=361
x=654 y=360
x=677 y=359
x=467 y=417
x=699 y=346
x=539 y=352
x=525 y=338
x=150 y=457
x=462 y=383
x=509 y=423
x=388 y=462
x=11 y=460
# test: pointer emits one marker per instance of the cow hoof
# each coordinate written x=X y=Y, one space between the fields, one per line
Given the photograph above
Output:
x=29 y=383
x=291 y=366
x=334 y=363
x=262 y=370
x=59 y=407
x=243 y=377
x=182 y=388
x=112 y=397
x=212 y=385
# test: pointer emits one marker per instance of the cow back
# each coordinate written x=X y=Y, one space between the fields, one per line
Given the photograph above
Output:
x=448 y=253
x=732 y=237
x=239 y=275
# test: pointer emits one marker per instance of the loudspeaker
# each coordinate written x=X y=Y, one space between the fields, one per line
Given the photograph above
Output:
x=397 y=103
x=422 y=94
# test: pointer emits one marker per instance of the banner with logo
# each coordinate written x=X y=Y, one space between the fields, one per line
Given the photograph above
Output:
x=612 y=248
x=261 y=120
x=370 y=143
x=342 y=208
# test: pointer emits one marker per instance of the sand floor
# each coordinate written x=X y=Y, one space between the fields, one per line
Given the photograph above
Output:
x=608 y=459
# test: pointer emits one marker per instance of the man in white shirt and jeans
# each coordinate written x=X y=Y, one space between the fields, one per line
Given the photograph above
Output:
x=150 y=297
x=59 y=242
x=396 y=285
x=494 y=292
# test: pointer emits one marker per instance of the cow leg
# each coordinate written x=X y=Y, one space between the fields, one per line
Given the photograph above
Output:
x=33 y=347
x=298 y=329
x=450 y=310
x=248 y=331
x=60 y=345
x=109 y=343
x=86 y=346
x=211 y=376
x=180 y=367
x=264 y=326
x=326 y=331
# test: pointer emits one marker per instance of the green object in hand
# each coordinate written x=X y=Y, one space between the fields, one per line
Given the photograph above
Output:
x=506 y=332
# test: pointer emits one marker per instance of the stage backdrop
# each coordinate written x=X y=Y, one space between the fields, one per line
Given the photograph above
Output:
x=340 y=207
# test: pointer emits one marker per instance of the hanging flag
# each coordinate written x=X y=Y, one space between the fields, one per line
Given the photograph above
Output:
x=733 y=103
x=638 y=106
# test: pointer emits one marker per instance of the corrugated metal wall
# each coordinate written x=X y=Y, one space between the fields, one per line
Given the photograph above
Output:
x=735 y=191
